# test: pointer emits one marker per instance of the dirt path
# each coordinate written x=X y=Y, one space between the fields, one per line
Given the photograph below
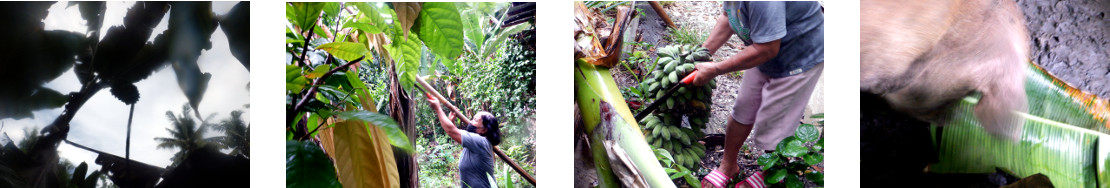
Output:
x=1070 y=40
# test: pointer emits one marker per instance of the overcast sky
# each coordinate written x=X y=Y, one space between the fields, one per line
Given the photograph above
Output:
x=102 y=122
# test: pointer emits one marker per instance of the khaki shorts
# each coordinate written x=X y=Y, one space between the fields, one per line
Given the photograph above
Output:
x=774 y=106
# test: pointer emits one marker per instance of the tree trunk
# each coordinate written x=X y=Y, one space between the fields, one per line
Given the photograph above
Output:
x=402 y=110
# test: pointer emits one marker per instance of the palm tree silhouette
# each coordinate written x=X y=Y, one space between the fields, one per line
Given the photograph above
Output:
x=187 y=134
x=236 y=134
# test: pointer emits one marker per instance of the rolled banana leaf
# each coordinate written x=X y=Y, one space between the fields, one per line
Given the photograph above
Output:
x=1064 y=137
x=608 y=119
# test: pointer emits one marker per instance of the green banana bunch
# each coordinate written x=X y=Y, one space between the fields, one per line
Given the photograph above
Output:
x=689 y=106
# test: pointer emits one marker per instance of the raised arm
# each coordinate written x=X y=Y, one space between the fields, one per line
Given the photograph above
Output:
x=445 y=122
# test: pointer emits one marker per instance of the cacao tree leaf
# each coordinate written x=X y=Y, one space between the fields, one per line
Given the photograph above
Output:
x=406 y=14
x=440 y=27
x=348 y=51
x=294 y=81
x=406 y=55
x=362 y=26
x=303 y=14
x=306 y=165
x=372 y=14
x=387 y=124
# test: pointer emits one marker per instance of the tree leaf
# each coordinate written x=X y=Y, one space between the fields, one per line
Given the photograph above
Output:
x=440 y=27
x=306 y=165
x=407 y=12
x=807 y=133
x=492 y=44
x=294 y=80
x=372 y=13
x=303 y=14
x=794 y=148
x=816 y=177
x=387 y=124
x=406 y=55
x=364 y=27
x=348 y=51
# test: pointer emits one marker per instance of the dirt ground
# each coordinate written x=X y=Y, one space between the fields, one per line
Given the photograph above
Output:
x=700 y=17
x=1070 y=40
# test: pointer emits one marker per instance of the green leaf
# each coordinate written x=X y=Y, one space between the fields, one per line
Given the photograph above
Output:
x=306 y=165
x=813 y=158
x=348 y=51
x=303 y=14
x=767 y=160
x=820 y=145
x=680 y=174
x=492 y=44
x=782 y=144
x=396 y=137
x=364 y=27
x=319 y=71
x=406 y=53
x=294 y=81
x=794 y=148
x=775 y=176
x=816 y=177
x=794 y=182
x=692 y=181
x=440 y=27
x=807 y=133
x=665 y=154
x=372 y=13
x=818 y=116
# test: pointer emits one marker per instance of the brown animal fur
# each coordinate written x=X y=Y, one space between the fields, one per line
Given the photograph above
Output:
x=922 y=56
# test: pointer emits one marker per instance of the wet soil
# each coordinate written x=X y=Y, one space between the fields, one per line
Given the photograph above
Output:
x=1072 y=41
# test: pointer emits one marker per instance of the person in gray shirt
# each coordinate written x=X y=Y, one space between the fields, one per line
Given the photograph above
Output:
x=782 y=63
x=478 y=140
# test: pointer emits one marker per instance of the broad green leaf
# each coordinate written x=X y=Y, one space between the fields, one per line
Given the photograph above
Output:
x=774 y=176
x=294 y=81
x=813 y=158
x=364 y=27
x=782 y=144
x=406 y=54
x=492 y=44
x=319 y=71
x=406 y=14
x=440 y=27
x=331 y=9
x=372 y=13
x=290 y=41
x=472 y=27
x=303 y=14
x=767 y=160
x=816 y=177
x=387 y=124
x=794 y=148
x=665 y=154
x=807 y=133
x=692 y=181
x=306 y=165
x=680 y=174
x=793 y=181
x=348 y=51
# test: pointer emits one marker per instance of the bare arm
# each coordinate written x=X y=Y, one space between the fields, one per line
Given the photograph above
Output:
x=754 y=55
x=719 y=35
x=445 y=122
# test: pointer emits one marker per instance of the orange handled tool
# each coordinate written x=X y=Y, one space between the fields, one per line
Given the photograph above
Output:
x=689 y=79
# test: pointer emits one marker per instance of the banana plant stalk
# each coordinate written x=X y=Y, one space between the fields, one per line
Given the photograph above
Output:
x=428 y=89
x=607 y=118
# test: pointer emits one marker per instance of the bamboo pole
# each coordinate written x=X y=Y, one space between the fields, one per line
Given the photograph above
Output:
x=662 y=14
x=428 y=90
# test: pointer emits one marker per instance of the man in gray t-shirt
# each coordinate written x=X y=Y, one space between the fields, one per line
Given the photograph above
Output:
x=785 y=46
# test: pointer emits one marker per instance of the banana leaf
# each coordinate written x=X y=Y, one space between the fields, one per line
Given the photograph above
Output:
x=1064 y=137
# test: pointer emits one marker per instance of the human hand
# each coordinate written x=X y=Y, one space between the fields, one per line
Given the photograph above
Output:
x=706 y=72
x=432 y=101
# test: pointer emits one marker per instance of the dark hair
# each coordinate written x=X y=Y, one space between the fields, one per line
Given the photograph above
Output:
x=493 y=129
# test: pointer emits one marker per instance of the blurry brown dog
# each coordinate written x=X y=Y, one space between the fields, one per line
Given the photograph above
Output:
x=922 y=56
